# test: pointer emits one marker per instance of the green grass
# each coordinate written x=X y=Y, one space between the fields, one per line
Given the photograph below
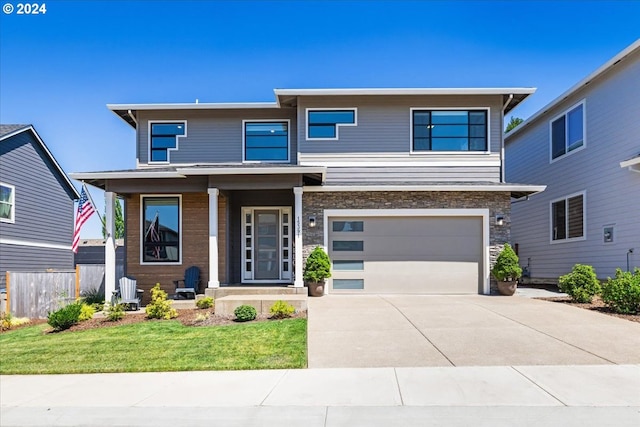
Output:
x=155 y=346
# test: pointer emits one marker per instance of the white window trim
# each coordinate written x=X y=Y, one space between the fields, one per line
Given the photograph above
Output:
x=431 y=152
x=244 y=147
x=338 y=125
x=181 y=247
x=363 y=213
x=151 y=122
x=565 y=113
x=12 y=201
x=584 y=218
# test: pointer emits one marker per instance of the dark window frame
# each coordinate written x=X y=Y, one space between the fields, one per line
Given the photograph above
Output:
x=559 y=133
x=160 y=149
x=329 y=124
x=147 y=245
x=245 y=149
x=469 y=136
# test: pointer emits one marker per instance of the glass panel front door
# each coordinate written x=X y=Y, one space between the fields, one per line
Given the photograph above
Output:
x=266 y=245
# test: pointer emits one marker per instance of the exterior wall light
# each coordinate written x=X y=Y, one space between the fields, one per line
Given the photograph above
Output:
x=500 y=219
x=312 y=221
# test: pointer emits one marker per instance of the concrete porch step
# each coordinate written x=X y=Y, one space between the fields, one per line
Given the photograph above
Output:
x=223 y=291
x=224 y=306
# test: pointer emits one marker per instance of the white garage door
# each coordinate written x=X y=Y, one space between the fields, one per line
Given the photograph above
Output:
x=426 y=255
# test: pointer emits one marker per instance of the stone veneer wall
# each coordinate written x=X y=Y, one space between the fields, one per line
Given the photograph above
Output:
x=314 y=204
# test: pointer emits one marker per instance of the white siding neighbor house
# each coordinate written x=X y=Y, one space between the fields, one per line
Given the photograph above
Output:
x=585 y=147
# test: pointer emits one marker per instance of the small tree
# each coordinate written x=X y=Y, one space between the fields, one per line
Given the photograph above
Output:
x=318 y=266
x=119 y=222
x=513 y=123
x=507 y=267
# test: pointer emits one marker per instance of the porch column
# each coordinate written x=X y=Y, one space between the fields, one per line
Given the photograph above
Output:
x=214 y=282
x=110 y=246
x=297 y=192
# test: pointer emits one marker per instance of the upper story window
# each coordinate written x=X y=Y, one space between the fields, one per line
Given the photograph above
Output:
x=567 y=218
x=449 y=130
x=266 y=141
x=567 y=131
x=7 y=202
x=324 y=123
x=163 y=136
x=161 y=223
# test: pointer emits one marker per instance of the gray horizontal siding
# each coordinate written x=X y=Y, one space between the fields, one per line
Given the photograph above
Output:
x=213 y=136
x=613 y=193
x=384 y=121
x=44 y=210
x=25 y=258
x=412 y=174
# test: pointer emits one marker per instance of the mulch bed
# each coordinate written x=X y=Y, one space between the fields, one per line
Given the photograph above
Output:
x=596 y=305
x=188 y=317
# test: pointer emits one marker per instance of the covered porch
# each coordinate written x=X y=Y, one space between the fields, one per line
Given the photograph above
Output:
x=240 y=224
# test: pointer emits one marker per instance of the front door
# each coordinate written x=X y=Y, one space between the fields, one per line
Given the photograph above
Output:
x=266 y=245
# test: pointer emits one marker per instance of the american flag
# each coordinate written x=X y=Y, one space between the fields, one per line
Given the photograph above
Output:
x=85 y=210
x=154 y=236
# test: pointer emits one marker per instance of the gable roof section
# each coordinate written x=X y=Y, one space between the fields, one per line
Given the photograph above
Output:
x=8 y=131
x=287 y=98
x=629 y=50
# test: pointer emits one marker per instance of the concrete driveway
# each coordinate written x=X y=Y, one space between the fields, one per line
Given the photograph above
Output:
x=475 y=330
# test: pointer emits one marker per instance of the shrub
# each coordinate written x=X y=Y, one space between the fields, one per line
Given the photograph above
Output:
x=622 y=293
x=318 y=266
x=244 y=313
x=65 y=317
x=507 y=267
x=7 y=321
x=115 y=312
x=160 y=308
x=206 y=302
x=86 y=312
x=281 y=309
x=93 y=297
x=201 y=317
x=581 y=284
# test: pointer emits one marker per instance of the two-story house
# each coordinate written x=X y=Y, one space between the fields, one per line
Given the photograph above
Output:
x=36 y=205
x=403 y=187
x=585 y=147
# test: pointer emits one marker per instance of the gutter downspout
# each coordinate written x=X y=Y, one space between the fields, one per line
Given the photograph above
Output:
x=134 y=119
x=504 y=107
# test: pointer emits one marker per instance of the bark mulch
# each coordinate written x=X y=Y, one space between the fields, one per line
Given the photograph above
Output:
x=596 y=305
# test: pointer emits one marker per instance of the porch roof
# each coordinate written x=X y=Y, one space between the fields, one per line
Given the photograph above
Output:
x=99 y=179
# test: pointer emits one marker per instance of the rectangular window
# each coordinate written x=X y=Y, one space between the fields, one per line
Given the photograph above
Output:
x=454 y=130
x=266 y=141
x=348 y=226
x=348 y=245
x=348 y=283
x=567 y=218
x=164 y=137
x=567 y=132
x=324 y=124
x=161 y=226
x=7 y=202
x=348 y=265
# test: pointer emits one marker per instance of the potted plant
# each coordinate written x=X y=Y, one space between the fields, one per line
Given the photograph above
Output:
x=507 y=271
x=316 y=271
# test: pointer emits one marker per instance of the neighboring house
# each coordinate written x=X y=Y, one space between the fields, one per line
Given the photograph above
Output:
x=585 y=146
x=403 y=187
x=36 y=204
x=91 y=251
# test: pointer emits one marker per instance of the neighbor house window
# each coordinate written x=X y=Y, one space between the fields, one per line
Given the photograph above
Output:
x=164 y=137
x=324 y=124
x=161 y=229
x=266 y=141
x=7 y=202
x=449 y=130
x=567 y=131
x=567 y=218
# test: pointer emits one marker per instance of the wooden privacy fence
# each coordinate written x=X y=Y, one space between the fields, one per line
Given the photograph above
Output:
x=34 y=294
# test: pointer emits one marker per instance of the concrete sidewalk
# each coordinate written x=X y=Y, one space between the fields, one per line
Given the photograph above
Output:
x=360 y=331
x=498 y=396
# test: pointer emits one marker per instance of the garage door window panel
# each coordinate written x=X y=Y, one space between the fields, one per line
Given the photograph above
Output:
x=348 y=284
x=348 y=265
x=348 y=245
x=348 y=226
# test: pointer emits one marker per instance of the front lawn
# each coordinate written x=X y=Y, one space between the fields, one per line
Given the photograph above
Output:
x=155 y=346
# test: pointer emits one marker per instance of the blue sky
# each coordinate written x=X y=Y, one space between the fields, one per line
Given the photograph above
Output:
x=59 y=70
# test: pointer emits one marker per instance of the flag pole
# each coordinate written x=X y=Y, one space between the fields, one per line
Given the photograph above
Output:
x=86 y=190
